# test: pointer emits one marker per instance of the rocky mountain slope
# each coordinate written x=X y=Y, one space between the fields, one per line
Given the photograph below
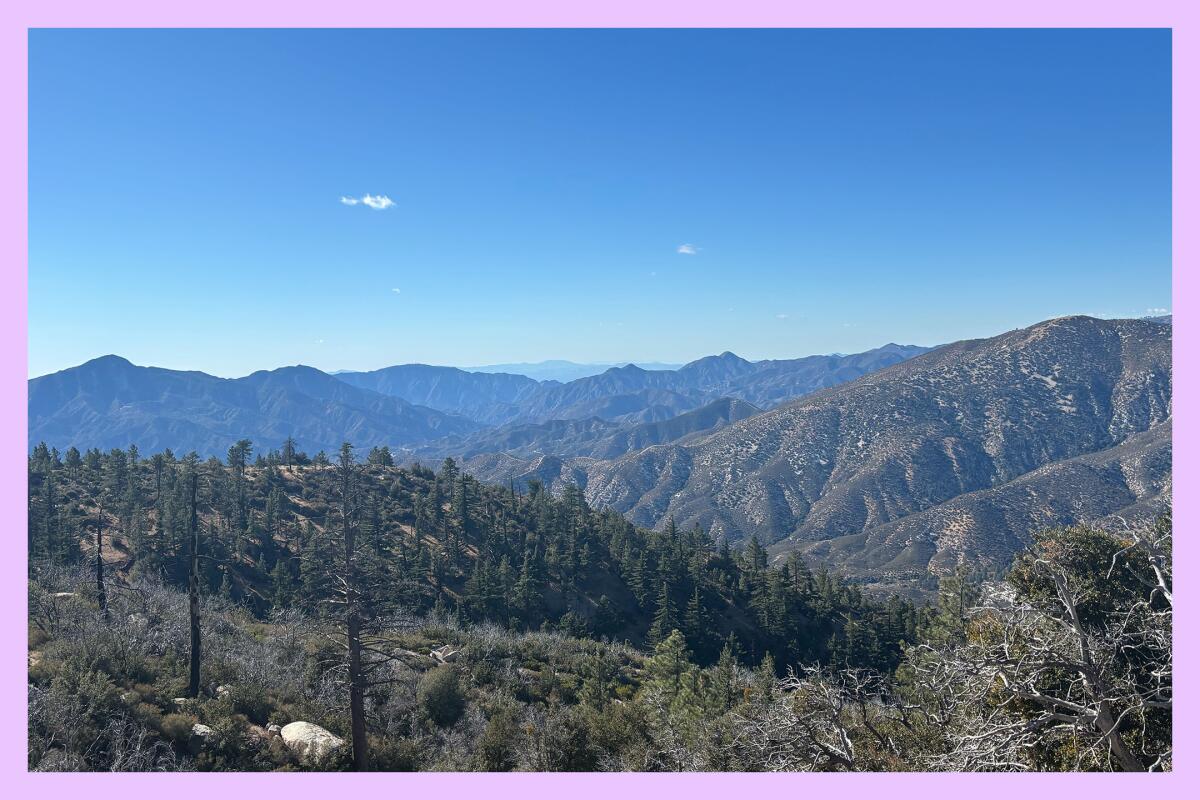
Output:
x=830 y=472
x=593 y=437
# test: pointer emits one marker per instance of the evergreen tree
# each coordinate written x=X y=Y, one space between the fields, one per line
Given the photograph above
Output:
x=665 y=618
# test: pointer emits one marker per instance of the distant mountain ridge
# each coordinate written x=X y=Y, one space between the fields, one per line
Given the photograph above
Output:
x=563 y=371
x=627 y=394
x=109 y=402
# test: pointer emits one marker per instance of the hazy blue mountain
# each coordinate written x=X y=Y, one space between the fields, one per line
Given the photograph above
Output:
x=109 y=402
x=625 y=394
x=634 y=394
x=488 y=398
x=561 y=371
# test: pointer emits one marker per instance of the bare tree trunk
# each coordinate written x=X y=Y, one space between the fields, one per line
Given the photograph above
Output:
x=1116 y=745
x=193 y=689
x=101 y=596
x=358 y=717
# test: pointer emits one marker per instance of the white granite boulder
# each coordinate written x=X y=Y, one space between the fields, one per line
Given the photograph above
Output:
x=201 y=737
x=444 y=654
x=311 y=743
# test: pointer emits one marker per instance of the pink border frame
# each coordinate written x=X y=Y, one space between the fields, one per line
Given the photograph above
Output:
x=20 y=15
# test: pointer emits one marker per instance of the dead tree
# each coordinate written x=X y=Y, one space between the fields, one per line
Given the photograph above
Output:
x=359 y=576
x=1035 y=673
x=101 y=595
x=193 y=689
x=352 y=594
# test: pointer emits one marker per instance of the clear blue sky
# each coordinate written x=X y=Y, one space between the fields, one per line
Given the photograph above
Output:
x=839 y=189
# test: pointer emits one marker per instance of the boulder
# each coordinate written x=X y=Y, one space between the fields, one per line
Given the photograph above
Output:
x=63 y=595
x=201 y=737
x=444 y=654
x=311 y=743
x=223 y=691
x=273 y=730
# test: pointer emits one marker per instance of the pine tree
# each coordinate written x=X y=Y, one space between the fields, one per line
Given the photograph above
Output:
x=665 y=618
x=696 y=625
x=722 y=688
x=670 y=670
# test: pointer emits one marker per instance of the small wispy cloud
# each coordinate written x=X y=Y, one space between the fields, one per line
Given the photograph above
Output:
x=781 y=316
x=396 y=289
x=687 y=249
x=379 y=202
x=1157 y=312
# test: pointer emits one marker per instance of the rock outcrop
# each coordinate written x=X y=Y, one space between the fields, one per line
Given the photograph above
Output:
x=311 y=743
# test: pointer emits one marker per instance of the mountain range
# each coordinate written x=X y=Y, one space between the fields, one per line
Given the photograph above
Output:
x=950 y=457
x=886 y=465
x=562 y=371
x=109 y=402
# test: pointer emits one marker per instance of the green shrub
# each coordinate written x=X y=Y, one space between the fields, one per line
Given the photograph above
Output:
x=440 y=695
x=178 y=727
x=496 y=749
x=395 y=754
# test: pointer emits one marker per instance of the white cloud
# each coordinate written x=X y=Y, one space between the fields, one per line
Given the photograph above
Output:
x=1157 y=312
x=379 y=202
x=687 y=249
x=781 y=316
x=396 y=290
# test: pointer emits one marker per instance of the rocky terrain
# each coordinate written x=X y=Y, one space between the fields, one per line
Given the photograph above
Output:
x=953 y=455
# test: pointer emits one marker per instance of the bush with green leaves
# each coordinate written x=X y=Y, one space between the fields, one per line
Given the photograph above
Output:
x=440 y=695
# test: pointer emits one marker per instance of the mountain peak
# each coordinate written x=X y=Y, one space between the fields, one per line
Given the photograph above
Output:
x=109 y=361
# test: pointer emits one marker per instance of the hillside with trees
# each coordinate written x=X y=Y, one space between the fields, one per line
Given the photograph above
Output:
x=295 y=611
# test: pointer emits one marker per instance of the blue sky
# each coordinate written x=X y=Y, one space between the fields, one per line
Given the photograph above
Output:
x=835 y=190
